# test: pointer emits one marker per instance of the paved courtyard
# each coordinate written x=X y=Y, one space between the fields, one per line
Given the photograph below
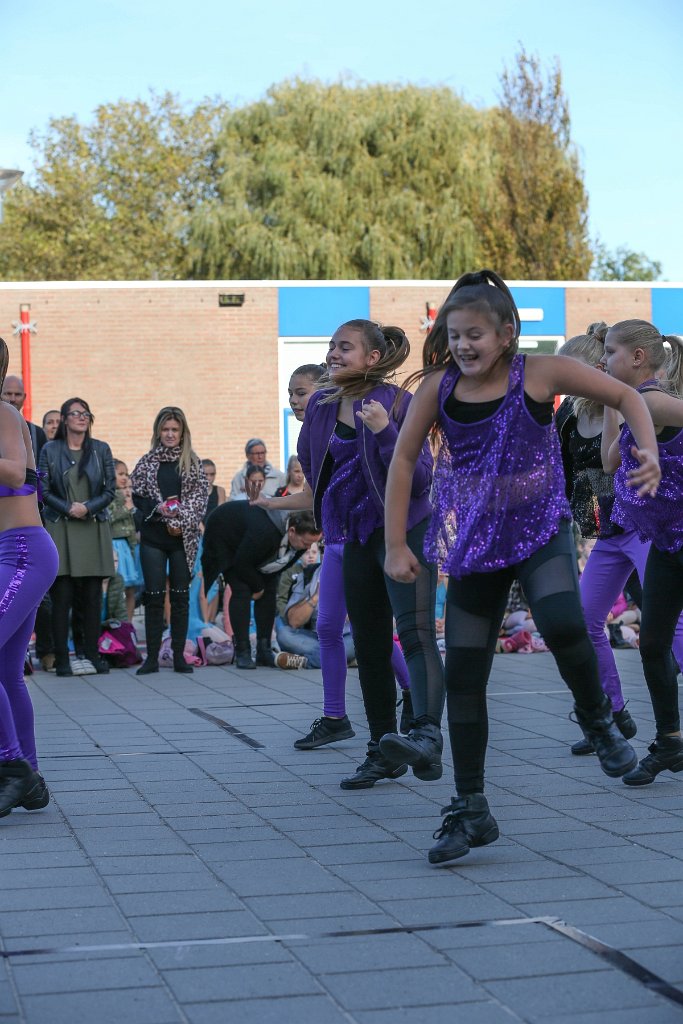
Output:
x=194 y=867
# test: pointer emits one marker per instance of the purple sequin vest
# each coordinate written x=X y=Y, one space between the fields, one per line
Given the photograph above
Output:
x=498 y=485
x=658 y=519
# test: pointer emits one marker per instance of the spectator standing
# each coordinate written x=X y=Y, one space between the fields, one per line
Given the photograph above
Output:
x=217 y=494
x=170 y=492
x=78 y=487
x=13 y=393
x=50 y=423
x=256 y=452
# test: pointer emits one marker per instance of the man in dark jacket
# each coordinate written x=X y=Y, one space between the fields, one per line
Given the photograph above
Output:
x=13 y=393
x=250 y=546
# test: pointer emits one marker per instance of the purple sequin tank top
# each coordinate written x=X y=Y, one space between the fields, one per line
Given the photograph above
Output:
x=346 y=507
x=658 y=519
x=498 y=485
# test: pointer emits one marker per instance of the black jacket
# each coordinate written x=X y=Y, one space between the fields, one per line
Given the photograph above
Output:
x=55 y=463
x=239 y=537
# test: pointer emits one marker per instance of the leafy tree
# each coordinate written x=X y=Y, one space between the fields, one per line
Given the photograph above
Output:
x=350 y=181
x=112 y=199
x=623 y=265
x=537 y=218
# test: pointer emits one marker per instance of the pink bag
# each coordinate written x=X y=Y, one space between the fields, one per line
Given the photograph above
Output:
x=166 y=654
x=216 y=652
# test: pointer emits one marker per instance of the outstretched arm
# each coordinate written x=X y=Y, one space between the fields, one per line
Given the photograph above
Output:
x=556 y=375
x=401 y=564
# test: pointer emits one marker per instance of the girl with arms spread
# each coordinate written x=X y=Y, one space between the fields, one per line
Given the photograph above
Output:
x=501 y=513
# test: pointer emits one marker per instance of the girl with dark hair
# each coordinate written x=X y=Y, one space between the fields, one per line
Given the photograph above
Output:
x=28 y=563
x=170 y=492
x=78 y=487
x=501 y=513
x=301 y=386
x=345 y=447
x=639 y=355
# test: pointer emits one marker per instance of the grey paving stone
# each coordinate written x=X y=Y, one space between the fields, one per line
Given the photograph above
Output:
x=282 y=1010
x=420 y=986
x=278 y=878
x=70 y=897
x=168 y=882
x=182 y=956
x=180 y=902
x=219 y=924
x=230 y=983
x=359 y=953
x=118 y=972
x=535 y=998
x=135 y=1006
x=661 y=1014
x=54 y=922
x=527 y=959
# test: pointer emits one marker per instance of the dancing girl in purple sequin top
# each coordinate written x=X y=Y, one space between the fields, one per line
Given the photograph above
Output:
x=501 y=513
x=637 y=354
x=345 y=447
x=28 y=565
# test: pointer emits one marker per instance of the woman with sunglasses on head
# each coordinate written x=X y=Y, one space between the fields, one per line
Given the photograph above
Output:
x=170 y=492
x=78 y=487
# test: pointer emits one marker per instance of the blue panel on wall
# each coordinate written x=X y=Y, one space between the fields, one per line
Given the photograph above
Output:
x=667 y=310
x=318 y=312
x=550 y=300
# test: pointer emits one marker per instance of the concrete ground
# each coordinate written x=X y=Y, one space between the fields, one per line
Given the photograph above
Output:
x=194 y=867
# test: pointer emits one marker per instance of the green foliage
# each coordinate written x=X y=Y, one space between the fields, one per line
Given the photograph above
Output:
x=623 y=265
x=112 y=199
x=313 y=181
x=396 y=182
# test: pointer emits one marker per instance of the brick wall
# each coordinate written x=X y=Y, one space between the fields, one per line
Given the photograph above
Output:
x=129 y=351
x=584 y=306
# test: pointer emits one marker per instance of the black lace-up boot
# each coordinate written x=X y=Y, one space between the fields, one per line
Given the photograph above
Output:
x=467 y=822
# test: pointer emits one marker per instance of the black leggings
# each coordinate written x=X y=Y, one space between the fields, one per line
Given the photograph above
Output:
x=239 y=608
x=89 y=590
x=373 y=601
x=662 y=606
x=475 y=606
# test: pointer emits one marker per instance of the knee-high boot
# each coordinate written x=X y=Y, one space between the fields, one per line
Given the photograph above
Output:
x=180 y=604
x=154 y=627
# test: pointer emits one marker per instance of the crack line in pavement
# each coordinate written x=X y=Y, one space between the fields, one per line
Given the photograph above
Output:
x=625 y=964
x=250 y=742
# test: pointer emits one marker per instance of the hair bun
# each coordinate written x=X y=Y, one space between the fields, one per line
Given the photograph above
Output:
x=598 y=331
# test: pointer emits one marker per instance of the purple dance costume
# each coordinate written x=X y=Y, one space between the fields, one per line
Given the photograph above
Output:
x=616 y=553
x=28 y=566
x=659 y=520
x=501 y=514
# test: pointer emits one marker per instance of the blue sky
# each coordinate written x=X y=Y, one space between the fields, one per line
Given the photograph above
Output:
x=621 y=63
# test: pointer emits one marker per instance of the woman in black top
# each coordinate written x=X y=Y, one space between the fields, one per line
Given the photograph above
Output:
x=78 y=486
x=170 y=492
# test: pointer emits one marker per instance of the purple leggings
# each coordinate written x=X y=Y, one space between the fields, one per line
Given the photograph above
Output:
x=28 y=566
x=609 y=565
x=329 y=627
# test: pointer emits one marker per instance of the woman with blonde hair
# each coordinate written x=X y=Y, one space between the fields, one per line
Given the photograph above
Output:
x=170 y=492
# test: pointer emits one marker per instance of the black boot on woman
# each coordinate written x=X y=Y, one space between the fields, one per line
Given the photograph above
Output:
x=264 y=653
x=154 y=627
x=179 y=620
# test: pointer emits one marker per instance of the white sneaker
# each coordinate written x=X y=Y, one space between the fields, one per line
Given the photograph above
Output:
x=87 y=668
x=285 y=660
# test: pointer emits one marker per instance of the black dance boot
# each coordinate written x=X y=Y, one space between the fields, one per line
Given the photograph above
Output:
x=179 y=620
x=468 y=822
x=405 y=703
x=666 y=755
x=264 y=652
x=154 y=627
x=17 y=779
x=615 y=754
x=624 y=723
x=421 y=749
x=374 y=768
x=243 y=657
